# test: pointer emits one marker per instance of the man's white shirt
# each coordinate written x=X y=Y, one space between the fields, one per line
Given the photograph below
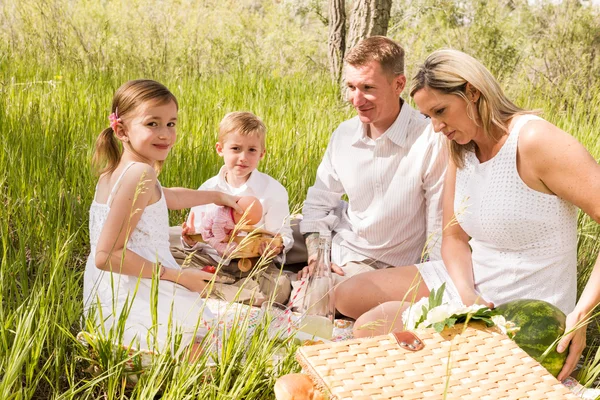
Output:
x=394 y=186
x=273 y=198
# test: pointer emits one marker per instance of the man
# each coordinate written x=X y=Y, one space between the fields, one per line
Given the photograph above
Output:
x=389 y=163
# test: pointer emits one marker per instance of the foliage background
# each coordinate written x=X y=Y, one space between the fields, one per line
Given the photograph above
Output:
x=61 y=60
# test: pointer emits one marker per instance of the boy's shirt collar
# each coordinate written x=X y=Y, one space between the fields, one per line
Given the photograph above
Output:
x=253 y=183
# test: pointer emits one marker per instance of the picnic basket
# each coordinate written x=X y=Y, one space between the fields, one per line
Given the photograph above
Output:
x=466 y=363
x=249 y=240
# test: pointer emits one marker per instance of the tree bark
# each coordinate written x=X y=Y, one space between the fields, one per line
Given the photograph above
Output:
x=369 y=18
x=337 y=38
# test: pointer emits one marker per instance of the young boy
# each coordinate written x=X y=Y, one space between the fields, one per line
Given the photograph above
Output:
x=241 y=143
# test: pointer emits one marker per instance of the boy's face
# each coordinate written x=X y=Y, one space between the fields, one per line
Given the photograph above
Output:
x=241 y=154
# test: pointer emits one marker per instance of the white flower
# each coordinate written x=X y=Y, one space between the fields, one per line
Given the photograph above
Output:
x=412 y=314
x=500 y=322
x=441 y=313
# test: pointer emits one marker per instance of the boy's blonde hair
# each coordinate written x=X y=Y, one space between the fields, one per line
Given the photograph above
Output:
x=244 y=123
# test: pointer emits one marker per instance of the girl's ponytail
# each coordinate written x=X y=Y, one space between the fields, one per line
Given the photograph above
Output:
x=107 y=152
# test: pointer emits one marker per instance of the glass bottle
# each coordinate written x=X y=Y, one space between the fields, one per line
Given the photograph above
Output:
x=318 y=307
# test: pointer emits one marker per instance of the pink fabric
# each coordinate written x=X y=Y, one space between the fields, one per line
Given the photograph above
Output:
x=216 y=228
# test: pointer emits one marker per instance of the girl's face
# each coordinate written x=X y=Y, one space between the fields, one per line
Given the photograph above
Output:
x=149 y=133
x=449 y=114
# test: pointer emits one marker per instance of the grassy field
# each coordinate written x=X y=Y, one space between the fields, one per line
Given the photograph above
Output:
x=60 y=62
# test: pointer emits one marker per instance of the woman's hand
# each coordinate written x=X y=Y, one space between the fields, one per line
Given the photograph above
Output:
x=224 y=199
x=187 y=228
x=471 y=297
x=574 y=341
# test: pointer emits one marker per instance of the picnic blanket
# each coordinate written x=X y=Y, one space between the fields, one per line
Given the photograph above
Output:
x=228 y=314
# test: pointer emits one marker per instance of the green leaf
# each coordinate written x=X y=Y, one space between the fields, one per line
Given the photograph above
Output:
x=436 y=296
x=439 y=326
x=450 y=322
x=440 y=294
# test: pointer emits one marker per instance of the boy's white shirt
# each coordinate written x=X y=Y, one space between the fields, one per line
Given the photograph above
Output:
x=273 y=197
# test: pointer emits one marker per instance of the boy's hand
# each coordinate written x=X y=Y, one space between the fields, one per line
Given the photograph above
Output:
x=187 y=228
x=270 y=248
x=228 y=200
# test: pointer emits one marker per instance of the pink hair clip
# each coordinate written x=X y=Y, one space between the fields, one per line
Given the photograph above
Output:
x=114 y=120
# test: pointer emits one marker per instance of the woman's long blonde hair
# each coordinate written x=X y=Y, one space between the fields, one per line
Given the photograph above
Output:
x=108 y=150
x=449 y=71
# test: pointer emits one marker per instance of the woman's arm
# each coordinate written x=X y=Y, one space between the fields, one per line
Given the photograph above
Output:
x=575 y=327
x=456 y=252
x=552 y=161
x=180 y=198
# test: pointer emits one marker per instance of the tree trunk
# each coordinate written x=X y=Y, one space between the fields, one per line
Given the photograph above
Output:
x=337 y=37
x=369 y=18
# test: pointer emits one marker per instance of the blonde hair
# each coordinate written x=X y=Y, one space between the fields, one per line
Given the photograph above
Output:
x=449 y=71
x=389 y=54
x=243 y=123
x=127 y=98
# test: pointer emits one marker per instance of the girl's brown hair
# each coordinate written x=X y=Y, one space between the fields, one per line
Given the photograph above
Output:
x=127 y=98
x=449 y=71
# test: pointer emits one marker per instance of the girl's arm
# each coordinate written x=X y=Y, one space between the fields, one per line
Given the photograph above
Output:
x=180 y=198
x=552 y=161
x=137 y=190
x=456 y=252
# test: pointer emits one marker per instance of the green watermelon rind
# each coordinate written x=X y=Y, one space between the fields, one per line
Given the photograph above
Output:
x=527 y=315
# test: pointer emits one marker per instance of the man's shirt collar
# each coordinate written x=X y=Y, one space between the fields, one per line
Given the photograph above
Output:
x=396 y=132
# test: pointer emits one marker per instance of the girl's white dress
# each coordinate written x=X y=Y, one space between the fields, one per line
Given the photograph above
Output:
x=177 y=309
x=524 y=242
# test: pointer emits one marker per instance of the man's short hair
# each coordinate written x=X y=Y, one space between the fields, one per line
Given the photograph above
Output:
x=389 y=54
x=243 y=123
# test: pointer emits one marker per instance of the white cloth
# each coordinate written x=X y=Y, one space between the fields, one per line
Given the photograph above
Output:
x=149 y=239
x=394 y=186
x=524 y=242
x=272 y=196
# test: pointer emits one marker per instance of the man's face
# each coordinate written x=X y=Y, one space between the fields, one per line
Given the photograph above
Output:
x=374 y=93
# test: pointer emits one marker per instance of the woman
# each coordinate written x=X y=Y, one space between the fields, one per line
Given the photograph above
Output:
x=510 y=208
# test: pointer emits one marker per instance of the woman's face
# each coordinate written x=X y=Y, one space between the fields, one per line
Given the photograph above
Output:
x=449 y=113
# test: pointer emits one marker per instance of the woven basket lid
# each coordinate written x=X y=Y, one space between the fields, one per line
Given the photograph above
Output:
x=467 y=363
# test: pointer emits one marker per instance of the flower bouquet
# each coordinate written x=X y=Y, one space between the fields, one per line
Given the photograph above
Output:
x=429 y=312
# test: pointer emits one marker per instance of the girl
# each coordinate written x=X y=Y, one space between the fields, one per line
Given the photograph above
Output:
x=129 y=226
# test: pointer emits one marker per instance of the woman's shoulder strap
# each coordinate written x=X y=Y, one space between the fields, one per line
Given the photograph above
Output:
x=522 y=120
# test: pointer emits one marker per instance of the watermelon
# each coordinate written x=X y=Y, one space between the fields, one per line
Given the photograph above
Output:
x=539 y=324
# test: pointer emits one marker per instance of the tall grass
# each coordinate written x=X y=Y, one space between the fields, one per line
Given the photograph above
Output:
x=60 y=62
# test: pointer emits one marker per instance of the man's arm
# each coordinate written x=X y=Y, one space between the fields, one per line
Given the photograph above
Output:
x=433 y=184
x=312 y=245
x=321 y=199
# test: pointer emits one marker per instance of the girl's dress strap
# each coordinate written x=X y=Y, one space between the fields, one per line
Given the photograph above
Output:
x=117 y=184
